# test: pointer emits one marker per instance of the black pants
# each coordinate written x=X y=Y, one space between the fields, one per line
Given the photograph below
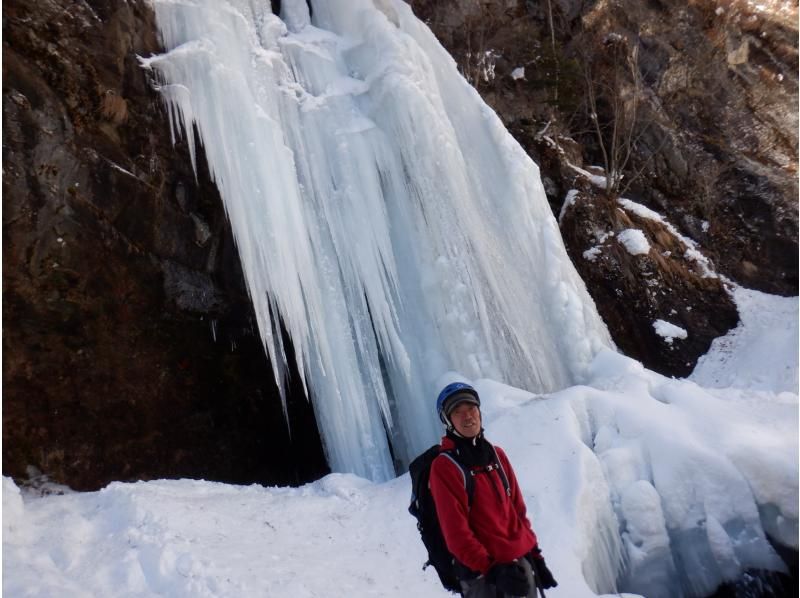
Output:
x=480 y=588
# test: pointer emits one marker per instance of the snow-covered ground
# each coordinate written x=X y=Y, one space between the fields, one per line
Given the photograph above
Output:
x=633 y=476
x=761 y=353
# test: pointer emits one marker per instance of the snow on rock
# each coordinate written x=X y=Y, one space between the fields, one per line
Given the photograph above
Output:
x=518 y=73
x=669 y=332
x=634 y=241
x=597 y=180
x=569 y=201
x=692 y=252
x=592 y=253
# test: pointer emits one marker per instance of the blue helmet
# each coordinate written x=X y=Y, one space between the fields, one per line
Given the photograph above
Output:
x=451 y=395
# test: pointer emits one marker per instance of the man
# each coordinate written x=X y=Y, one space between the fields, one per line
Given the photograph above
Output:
x=495 y=548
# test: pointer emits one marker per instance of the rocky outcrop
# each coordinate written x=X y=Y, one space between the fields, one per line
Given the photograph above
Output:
x=696 y=106
x=654 y=290
x=716 y=134
x=130 y=349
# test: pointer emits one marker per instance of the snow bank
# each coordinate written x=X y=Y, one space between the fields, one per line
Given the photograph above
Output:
x=13 y=510
x=761 y=353
x=340 y=536
x=715 y=460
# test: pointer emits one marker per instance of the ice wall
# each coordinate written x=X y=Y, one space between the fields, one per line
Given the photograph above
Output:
x=697 y=477
x=652 y=486
x=382 y=213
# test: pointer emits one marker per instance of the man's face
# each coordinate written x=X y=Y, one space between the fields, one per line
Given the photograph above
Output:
x=466 y=419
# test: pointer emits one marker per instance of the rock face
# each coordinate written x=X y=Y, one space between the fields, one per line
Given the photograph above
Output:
x=696 y=106
x=643 y=282
x=130 y=348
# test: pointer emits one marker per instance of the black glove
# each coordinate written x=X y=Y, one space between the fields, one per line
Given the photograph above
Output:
x=510 y=578
x=464 y=573
x=540 y=569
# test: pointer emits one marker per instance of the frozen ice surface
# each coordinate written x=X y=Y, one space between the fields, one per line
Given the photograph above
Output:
x=382 y=213
x=699 y=450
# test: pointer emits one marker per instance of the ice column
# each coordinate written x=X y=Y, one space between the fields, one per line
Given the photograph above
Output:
x=382 y=213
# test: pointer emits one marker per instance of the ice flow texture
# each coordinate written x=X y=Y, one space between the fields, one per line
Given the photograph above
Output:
x=382 y=213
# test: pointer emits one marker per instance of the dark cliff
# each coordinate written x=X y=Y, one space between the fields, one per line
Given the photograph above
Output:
x=129 y=341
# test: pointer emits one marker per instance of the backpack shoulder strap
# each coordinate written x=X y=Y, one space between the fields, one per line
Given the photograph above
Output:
x=502 y=471
x=469 y=483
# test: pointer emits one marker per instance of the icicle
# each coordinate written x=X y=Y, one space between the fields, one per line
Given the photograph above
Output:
x=382 y=214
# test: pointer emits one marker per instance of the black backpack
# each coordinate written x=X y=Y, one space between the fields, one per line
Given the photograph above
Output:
x=424 y=511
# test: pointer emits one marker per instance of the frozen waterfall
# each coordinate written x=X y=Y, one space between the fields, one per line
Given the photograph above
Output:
x=382 y=213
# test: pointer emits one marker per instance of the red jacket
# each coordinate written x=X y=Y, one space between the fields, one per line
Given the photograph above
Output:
x=495 y=529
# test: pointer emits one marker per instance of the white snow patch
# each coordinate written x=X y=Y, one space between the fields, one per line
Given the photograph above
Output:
x=569 y=201
x=668 y=331
x=761 y=353
x=595 y=179
x=592 y=253
x=518 y=73
x=691 y=253
x=634 y=241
